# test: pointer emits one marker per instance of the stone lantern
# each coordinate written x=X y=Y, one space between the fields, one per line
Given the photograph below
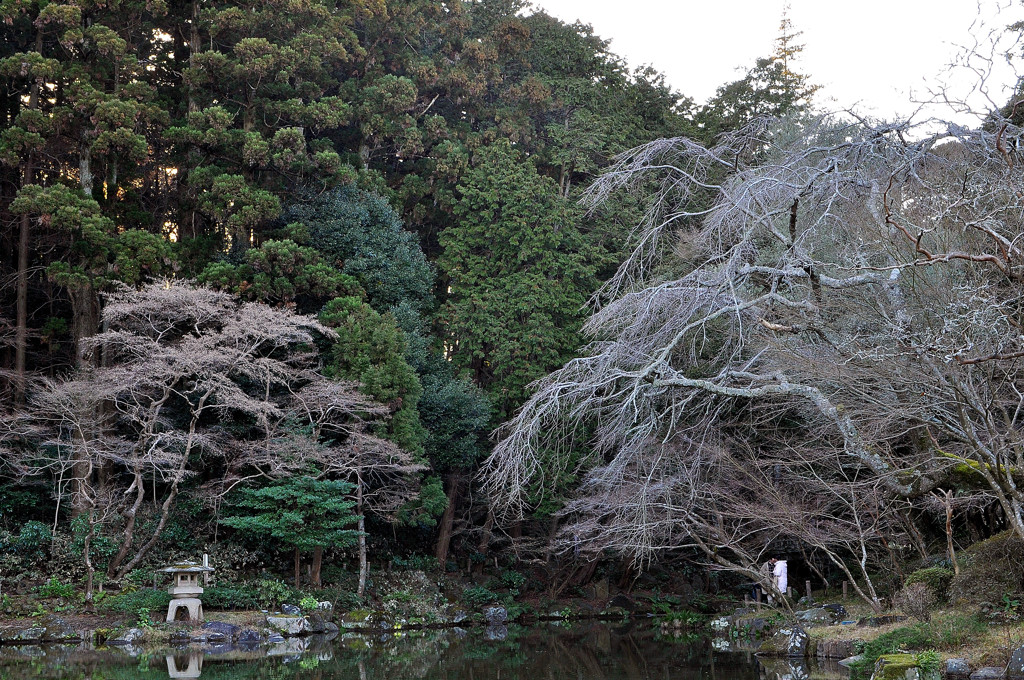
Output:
x=185 y=589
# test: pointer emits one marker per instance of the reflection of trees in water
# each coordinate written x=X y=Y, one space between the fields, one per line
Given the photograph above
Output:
x=591 y=651
x=595 y=651
x=799 y=669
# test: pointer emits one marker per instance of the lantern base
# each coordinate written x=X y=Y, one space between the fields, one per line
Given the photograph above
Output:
x=192 y=604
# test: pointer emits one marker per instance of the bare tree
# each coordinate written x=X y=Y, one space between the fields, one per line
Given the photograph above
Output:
x=859 y=282
x=192 y=378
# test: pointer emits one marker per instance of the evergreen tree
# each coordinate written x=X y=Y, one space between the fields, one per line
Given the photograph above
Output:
x=282 y=273
x=301 y=512
x=370 y=350
x=771 y=88
x=518 y=275
x=262 y=85
x=362 y=235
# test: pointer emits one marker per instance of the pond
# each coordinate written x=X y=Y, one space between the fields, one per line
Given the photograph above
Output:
x=582 y=651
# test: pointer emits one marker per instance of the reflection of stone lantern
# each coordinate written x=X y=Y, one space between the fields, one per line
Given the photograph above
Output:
x=185 y=589
x=193 y=670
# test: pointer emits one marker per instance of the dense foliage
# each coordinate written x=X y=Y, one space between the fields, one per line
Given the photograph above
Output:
x=375 y=206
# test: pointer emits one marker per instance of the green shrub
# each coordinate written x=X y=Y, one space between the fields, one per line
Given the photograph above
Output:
x=231 y=597
x=272 y=594
x=929 y=661
x=907 y=638
x=139 y=577
x=142 y=619
x=399 y=596
x=144 y=598
x=685 y=617
x=342 y=599
x=478 y=596
x=416 y=562
x=33 y=539
x=54 y=588
x=937 y=580
x=512 y=580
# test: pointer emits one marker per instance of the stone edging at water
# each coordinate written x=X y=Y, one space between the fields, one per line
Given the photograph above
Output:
x=793 y=642
x=276 y=627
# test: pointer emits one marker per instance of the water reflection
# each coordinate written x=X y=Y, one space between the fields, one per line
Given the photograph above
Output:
x=784 y=669
x=185 y=666
x=800 y=669
x=582 y=651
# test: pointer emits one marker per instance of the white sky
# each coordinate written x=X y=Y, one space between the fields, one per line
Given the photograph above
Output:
x=875 y=55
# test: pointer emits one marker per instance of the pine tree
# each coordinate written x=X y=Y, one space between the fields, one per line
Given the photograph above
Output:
x=263 y=85
x=302 y=512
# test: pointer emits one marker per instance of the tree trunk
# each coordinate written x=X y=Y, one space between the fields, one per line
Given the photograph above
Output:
x=813 y=567
x=364 y=567
x=949 y=539
x=21 y=287
x=188 y=219
x=21 y=331
x=85 y=310
x=916 y=538
x=318 y=557
x=947 y=503
x=85 y=168
x=552 y=532
x=485 y=540
x=129 y=529
x=172 y=494
x=298 y=568
x=90 y=569
x=193 y=49
x=444 y=536
x=81 y=473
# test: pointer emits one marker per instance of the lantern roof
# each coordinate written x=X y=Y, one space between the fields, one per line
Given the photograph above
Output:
x=185 y=567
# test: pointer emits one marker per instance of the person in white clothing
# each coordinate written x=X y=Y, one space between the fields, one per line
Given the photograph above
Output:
x=781 y=573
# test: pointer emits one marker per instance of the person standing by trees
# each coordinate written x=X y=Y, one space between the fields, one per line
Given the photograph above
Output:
x=767 y=576
x=780 y=569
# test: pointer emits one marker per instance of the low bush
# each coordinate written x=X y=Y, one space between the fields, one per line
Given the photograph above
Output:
x=991 y=568
x=271 y=594
x=916 y=600
x=143 y=598
x=54 y=588
x=342 y=597
x=230 y=596
x=936 y=579
x=416 y=562
x=33 y=539
x=512 y=580
x=905 y=639
x=478 y=597
x=929 y=661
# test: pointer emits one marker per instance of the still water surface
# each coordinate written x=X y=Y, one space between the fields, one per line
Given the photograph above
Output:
x=583 y=651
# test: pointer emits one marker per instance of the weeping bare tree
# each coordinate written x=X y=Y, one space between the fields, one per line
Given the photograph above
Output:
x=852 y=284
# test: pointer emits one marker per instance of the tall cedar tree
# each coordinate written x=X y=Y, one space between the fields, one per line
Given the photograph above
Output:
x=518 y=275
